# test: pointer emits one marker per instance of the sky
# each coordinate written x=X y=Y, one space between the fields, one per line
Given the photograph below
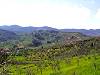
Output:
x=77 y=14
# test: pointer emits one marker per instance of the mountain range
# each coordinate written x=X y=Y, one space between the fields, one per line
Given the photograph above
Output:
x=29 y=29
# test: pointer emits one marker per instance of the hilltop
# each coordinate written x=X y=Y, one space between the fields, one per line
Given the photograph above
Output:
x=29 y=29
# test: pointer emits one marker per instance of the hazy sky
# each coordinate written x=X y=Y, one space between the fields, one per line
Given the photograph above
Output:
x=53 y=13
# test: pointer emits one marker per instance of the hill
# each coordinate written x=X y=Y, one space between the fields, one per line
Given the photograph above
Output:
x=79 y=58
x=29 y=29
x=38 y=36
x=49 y=37
x=48 y=51
x=7 y=35
x=20 y=29
x=90 y=32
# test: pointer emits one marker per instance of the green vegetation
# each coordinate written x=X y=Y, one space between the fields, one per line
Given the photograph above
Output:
x=7 y=35
x=52 y=53
x=62 y=67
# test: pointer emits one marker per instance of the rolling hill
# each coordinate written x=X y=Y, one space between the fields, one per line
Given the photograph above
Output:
x=20 y=29
x=7 y=35
x=29 y=29
x=44 y=37
x=48 y=51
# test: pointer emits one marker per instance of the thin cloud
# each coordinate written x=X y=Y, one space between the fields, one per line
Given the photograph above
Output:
x=44 y=14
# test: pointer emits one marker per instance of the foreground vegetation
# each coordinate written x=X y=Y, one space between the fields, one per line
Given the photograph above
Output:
x=74 y=66
x=72 y=56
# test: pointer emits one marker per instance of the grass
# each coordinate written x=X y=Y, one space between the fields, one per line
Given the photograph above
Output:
x=85 y=67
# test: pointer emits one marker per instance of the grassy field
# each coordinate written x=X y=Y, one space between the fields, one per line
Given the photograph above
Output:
x=86 y=65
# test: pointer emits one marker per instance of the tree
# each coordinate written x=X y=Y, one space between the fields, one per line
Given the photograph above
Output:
x=3 y=56
x=36 y=42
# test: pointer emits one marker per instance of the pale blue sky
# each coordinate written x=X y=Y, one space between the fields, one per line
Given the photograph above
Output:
x=53 y=13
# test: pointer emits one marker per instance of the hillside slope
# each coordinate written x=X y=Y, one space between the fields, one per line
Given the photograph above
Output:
x=7 y=35
x=45 y=37
x=80 y=58
x=30 y=29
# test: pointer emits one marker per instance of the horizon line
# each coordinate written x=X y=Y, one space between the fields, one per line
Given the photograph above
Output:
x=49 y=26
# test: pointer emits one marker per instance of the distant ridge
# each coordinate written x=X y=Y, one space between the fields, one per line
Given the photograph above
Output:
x=17 y=28
x=90 y=32
x=29 y=29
